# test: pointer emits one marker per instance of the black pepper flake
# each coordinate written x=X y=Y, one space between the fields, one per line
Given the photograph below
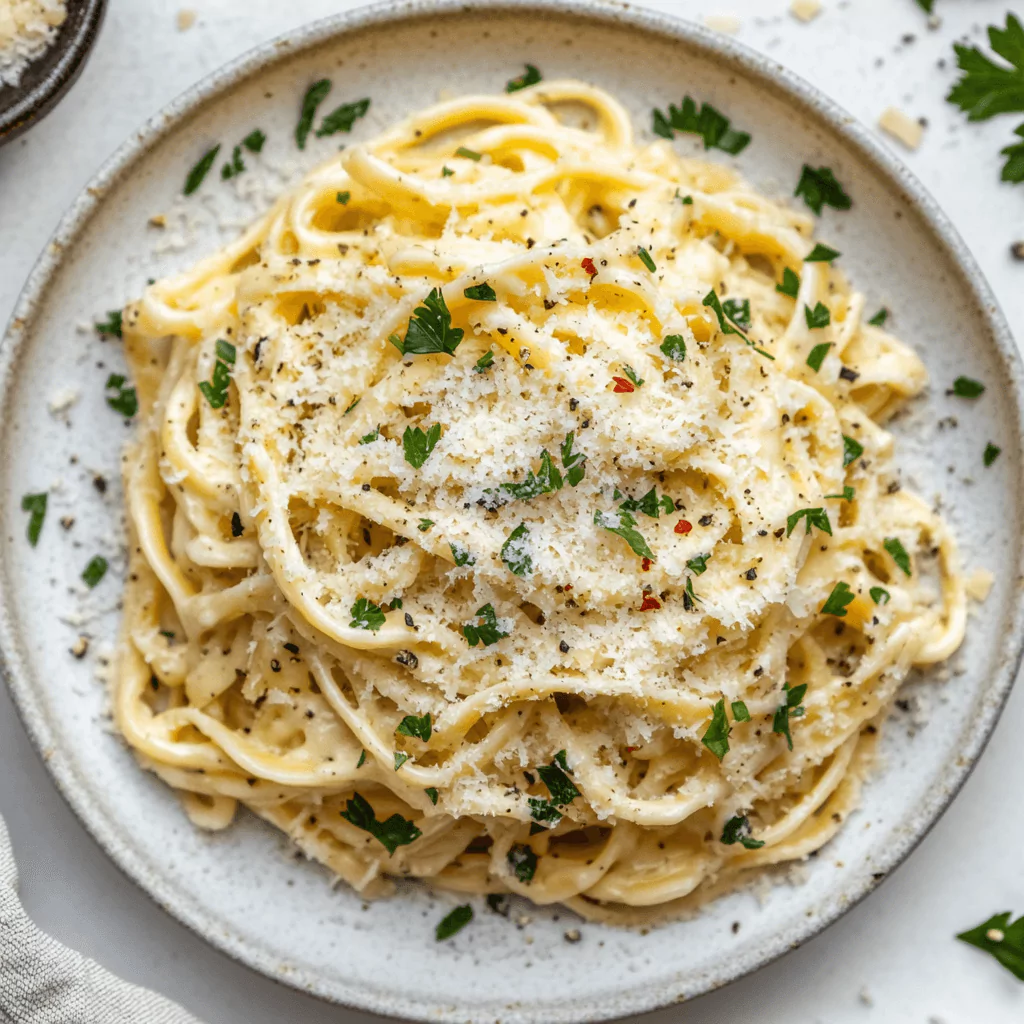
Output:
x=847 y=374
x=574 y=404
x=408 y=620
x=751 y=574
x=706 y=520
x=294 y=648
x=275 y=665
x=549 y=304
x=366 y=487
x=563 y=646
x=407 y=658
x=236 y=525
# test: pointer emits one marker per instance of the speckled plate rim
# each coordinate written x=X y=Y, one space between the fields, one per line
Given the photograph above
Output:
x=810 y=102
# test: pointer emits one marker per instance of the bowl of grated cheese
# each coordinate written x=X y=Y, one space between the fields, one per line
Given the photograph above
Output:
x=44 y=45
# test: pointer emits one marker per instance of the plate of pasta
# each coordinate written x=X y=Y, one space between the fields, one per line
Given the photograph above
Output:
x=504 y=504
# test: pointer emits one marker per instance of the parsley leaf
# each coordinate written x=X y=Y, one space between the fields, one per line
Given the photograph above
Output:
x=817 y=317
x=623 y=524
x=636 y=381
x=899 y=553
x=125 y=400
x=562 y=789
x=424 y=525
x=481 y=293
x=112 y=326
x=964 y=387
x=791 y=709
x=523 y=862
x=234 y=166
x=737 y=830
x=531 y=76
x=341 y=119
x=1013 y=169
x=515 y=552
x=370 y=437
x=645 y=258
x=485 y=362
x=738 y=311
x=740 y=711
x=926 y=5
x=35 y=505
x=879 y=318
x=837 y=601
x=573 y=463
x=254 y=141
x=418 y=727
x=431 y=792
x=650 y=504
x=821 y=254
x=460 y=555
x=542 y=811
x=418 y=445
x=215 y=390
x=400 y=759
x=817 y=354
x=391 y=834
x=992 y=453
x=362 y=759
x=547 y=481
x=847 y=495
x=879 y=595
x=716 y=736
x=711 y=125
x=820 y=188
x=674 y=347
x=469 y=154
x=698 y=565
x=94 y=571
x=486 y=632
x=343 y=198
x=200 y=170
x=726 y=324
x=813 y=516
x=852 y=450
x=315 y=95
x=790 y=284
x=430 y=328
x=366 y=615
x=1002 y=940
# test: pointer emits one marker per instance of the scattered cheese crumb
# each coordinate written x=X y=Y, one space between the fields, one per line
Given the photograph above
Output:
x=61 y=401
x=27 y=28
x=901 y=127
x=727 y=23
x=158 y=220
x=979 y=584
x=186 y=19
x=865 y=996
x=80 y=646
x=573 y=935
x=805 y=10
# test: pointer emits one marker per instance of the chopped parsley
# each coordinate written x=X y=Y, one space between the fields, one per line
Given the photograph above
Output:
x=821 y=254
x=737 y=830
x=352 y=406
x=418 y=727
x=343 y=198
x=216 y=390
x=740 y=711
x=254 y=141
x=124 y=400
x=645 y=258
x=469 y=154
x=531 y=76
x=515 y=552
x=852 y=450
x=674 y=347
x=485 y=630
x=485 y=362
x=94 y=571
x=454 y=922
x=418 y=445
x=819 y=187
x=698 y=565
x=837 y=601
x=624 y=525
x=400 y=759
x=341 y=119
x=817 y=354
x=523 y=862
x=481 y=293
x=542 y=811
x=366 y=615
x=790 y=284
x=879 y=318
x=315 y=95
x=112 y=326
x=574 y=463
x=817 y=317
x=879 y=595
x=424 y=525
x=447 y=172
x=650 y=504
x=738 y=311
x=546 y=481
x=690 y=599
x=362 y=759
x=847 y=495
x=234 y=166
x=35 y=506
x=792 y=708
x=370 y=437
x=460 y=555
x=200 y=170
x=637 y=382
x=899 y=553
x=711 y=125
x=391 y=834
x=964 y=387
x=562 y=789
x=813 y=517
x=991 y=453
x=1000 y=939
x=431 y=792
x=430 y=329
x=727 y=325
x=716 y=736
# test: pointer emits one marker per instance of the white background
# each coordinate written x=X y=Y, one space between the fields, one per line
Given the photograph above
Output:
x=893 y=958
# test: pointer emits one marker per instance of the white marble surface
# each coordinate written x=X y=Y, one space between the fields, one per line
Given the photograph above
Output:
x=894 y=957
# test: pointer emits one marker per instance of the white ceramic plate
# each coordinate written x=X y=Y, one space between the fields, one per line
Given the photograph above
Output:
x=242 y=889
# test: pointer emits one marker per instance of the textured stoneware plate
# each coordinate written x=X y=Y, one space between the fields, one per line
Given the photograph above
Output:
x=242 y=889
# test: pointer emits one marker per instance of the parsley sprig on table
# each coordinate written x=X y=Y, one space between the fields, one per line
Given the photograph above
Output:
x=1003 y=940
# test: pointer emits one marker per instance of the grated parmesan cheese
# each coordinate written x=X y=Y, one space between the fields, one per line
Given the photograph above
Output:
x=27 y=28
x=186 y=19
x=979 y=584
x=901 y=127
x=727 y=23
x=805 y=10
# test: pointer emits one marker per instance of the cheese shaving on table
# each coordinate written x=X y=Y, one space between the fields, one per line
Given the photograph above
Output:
x=901 y=127
x=805 y=10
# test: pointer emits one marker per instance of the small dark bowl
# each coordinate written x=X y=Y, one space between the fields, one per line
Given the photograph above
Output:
x=47 y=79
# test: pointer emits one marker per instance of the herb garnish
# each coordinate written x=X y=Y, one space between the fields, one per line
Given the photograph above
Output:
x=562 y=789
x=711 y=125
x=234 y=166
x=481 y=293
x=94 y=571
x=515 y=552
x=485 y=362
x=1002 y=940
x=400 y=759
x=817 y=317
x=523 y=862
x=112 y=326
x=546 y=481
x=740 y=711
x=821 y=254
x=391 y=834
x=447 y=172
x=674 y=347
x=424 y=525
x=418 y=727
x=837 y=601
x=366 y=615
x=469 y=154
x=461 y=555
x=431 y=792
x=899 y=553
x=820 y=188
x=645 y=258
x=964 y=387
x=879 y=595
x=573 y=462
x=216 y=390
x=737 y=830
x=852 y=450
x=813 y=517
x=35 y=505
x=315 y=95
x=727 y=325
x=698 y=565
x=716 y=736
x=817 y=354
x=125 y=400
x=847 y=495
x=200 y=170
x=341 y=119
x=991 y=453
x=362 y=759
x=531 y=76
x=738 y=311
x=879 y=318
x=371 y=436
x=623 y=524
x=790 y=284
x=486 y=632
x=454 y=922
x=791 y=709
x=650 y=504
x=430 y=329
x=343 y=198
x=418 y=445
x=254 y=141
x=631 y=374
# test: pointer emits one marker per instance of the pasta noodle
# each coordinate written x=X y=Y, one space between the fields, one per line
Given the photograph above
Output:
x=607 y=617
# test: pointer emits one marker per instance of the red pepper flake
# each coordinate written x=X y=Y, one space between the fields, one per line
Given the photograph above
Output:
x=588 y=265
x=629 y=750
x=623 y=386
x=683 y=526
x=645 y=565
x=567 y=587
x=650 y=604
